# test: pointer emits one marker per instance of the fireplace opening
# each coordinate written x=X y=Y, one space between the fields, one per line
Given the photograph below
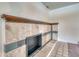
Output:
x=34 y=43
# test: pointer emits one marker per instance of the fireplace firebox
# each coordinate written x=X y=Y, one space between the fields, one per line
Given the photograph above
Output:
x=33 y=43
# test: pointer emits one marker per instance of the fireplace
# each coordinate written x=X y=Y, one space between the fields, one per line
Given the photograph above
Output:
x=34 y=43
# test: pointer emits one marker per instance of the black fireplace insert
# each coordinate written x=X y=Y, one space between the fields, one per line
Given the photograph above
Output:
x=33 y=43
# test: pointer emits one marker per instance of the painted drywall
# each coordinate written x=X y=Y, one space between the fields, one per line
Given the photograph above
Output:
x=31 y=10
x=68 y=19
x=69 y=29
x=59 y=13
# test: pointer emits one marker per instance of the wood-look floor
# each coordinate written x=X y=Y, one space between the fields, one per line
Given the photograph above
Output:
x=61 y=49
x=45 y=50
x=73 y=50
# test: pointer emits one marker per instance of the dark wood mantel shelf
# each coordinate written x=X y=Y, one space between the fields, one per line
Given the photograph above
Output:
x=10 y=18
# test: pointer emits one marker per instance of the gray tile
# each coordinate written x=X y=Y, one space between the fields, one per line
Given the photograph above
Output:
x=10 y=47
x=20 y=43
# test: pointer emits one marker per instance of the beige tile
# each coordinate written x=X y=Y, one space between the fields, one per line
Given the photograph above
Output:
x=11 y=32
x=1 y=53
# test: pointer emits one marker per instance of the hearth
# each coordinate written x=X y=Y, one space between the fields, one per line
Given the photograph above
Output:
x=33 y=43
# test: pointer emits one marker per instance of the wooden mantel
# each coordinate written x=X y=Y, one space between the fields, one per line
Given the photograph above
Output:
x=10 y=18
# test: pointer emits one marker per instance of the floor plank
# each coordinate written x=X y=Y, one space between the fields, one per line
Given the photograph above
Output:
x=73 y=50
x=61 y=49
x=45 y=50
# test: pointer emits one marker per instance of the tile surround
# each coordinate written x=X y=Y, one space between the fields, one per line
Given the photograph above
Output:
x=16 y=34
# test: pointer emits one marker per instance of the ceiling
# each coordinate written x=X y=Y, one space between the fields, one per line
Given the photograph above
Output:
x=55 y=5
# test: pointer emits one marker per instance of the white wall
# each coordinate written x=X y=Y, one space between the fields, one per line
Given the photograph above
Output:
x=68 y=19
x=32 y=10
x=69 y=30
